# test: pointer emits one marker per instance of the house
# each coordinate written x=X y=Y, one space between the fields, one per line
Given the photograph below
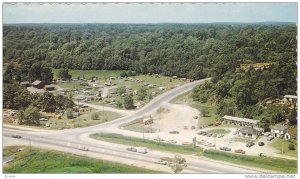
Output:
x=248 y=132
x=49 y=87
x=240 y=121
x=25 y=83
x=278 y=130
x=38 y=84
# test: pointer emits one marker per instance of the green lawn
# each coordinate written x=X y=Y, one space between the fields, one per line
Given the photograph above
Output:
x=218 y=131
x=50 y=161
x=280 y=144
x=138 y=142
x=70 y=85
x=83 y=120
x=274 y=164
x=137 y=127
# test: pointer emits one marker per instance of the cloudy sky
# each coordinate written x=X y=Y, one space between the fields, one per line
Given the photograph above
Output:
x=148 y=13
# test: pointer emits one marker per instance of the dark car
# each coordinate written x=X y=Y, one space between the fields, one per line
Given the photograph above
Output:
x=261 y=143
x=132 y=149
x=174 y=132
x=225 y=148
x=16 y=136
x=250 y=144
x=200 y=133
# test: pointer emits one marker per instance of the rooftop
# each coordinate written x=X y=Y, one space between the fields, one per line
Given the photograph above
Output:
x=249 y=130
x=36 y=82
x=252 y=121
x=279 y=127
x=290 y=96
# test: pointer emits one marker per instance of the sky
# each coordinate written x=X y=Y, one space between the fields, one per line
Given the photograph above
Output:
x=148 y=13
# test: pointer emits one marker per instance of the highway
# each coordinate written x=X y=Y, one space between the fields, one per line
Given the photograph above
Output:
x=69 y=140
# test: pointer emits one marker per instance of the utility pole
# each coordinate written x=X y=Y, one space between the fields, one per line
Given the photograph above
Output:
x=143 y=129
x=215 y=143
x=29 y=144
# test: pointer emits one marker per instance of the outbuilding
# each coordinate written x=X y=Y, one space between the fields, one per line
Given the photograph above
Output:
x=278 y=130
x=38 y=84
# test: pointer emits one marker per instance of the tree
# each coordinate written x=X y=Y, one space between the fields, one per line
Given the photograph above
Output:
x=177 y=163
x=121 y=90
x=21 y=117
x=204 y=112
x=123 y=74
x=141 y=94
x=64 y=74
x=95 y=116
x=69 y=113
x=48 y=102
x=128 y=102
x=32 y=116
x=291 y=146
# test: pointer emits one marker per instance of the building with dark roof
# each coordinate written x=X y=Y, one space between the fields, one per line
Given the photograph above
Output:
x=38 y=84
x=248 y=132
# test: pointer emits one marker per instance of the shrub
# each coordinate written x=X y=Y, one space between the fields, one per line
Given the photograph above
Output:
x=292 y=147
x=95 y=116
x=69 y=113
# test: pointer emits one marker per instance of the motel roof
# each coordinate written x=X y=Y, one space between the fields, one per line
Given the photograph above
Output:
x=240 y=119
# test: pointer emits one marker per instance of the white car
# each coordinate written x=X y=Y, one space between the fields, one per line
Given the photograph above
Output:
x=84 y=148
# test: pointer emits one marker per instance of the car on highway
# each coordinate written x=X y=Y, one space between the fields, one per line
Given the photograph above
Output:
x=174 y=132
x=193 y=127
x=142 y=150
x=270 y=138
x=83 y=148
x=172 y=141
x=201 y=133
x=225 y=148
x=16 y=136
x=132 y=149
x=195 y=117
x=261 y=143
x=161 y=162
x=250 y=144
x=168 y=159
x=240 y=151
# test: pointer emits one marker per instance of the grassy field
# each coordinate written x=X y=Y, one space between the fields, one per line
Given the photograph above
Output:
x=83 y=120
x=132 y=141
x=70 y=85
x=50 y=161
x=186 y=98
x=274 y=164
x=101 y=74
x=280 y=144
x=137 y=127
x=218 y=131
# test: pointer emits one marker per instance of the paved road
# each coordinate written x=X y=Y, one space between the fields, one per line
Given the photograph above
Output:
x=69 y=139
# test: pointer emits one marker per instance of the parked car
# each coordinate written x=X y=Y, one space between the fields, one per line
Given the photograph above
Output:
x=193 y=127
x=195 y=117
x=161 y=162
x=200 y=133
x=205 y=134
x=250 y=144
x=214 y=135
x=240 y=151
x=16 y=136
x=270 y=138
x=132 y=149
x=83 y=148
x=211 y=145
x=261 y=143
x=185 y=128
x=209 y=135
x=174 y=132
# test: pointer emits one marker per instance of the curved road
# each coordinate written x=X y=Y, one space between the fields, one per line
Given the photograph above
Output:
x=69 y=140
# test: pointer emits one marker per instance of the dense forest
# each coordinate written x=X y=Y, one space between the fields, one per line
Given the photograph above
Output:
x=185 y=50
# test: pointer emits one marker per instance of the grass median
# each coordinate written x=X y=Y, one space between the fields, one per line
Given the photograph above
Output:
x=268 y=163
x=132 y=141
x=50 y=161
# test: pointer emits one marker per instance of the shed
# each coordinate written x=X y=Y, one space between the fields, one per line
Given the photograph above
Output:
x=38 y=84
x=49 y=87
x=278 y=130
x=25 y=83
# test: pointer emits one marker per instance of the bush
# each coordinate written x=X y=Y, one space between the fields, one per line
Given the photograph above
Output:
x=95 y=116
x=69 y=113
x=292 y=147
x=123 y=74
